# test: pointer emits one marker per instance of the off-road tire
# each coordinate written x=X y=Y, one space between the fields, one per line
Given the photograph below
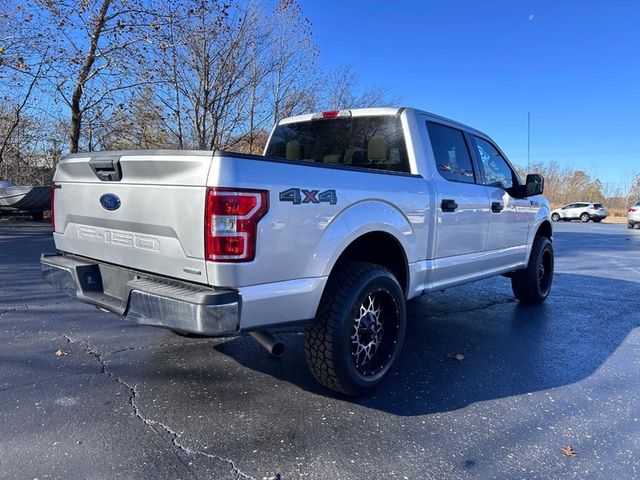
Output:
x=555 y=217
x=584 y=218
x=328 y=340
x=529 y=287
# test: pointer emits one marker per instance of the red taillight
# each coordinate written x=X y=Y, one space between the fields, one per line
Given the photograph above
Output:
x=331 y=114
x=632 y=210
x=231 y=222
x=53 y=217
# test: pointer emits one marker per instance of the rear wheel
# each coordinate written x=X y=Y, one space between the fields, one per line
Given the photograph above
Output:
x=359 y=329
x=629 y=225
x=555 y=217
x=533 y=284
x=597 y=220
x=584 y=218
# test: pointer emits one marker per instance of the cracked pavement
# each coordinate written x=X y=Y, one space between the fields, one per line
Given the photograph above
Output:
x=132 y=401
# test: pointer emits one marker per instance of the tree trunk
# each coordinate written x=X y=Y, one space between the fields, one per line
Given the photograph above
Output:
x=89 y=60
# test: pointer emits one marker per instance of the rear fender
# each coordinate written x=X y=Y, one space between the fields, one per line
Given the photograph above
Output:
x=352 y=223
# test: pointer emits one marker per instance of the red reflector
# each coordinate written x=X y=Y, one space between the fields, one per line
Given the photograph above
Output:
x=227 y=246
x=331 y=114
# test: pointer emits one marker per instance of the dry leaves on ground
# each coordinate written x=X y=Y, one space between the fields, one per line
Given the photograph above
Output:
x=61 y=353
x=568 y=451
x=455 y=356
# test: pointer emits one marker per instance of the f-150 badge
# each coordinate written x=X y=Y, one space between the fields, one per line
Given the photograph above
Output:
x=300 y=195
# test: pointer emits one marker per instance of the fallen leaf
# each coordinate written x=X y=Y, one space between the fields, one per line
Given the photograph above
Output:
x=61 y=353
x=455 y=356
x=568 y=451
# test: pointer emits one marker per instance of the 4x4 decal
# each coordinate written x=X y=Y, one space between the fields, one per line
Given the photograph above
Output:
x=300 y=195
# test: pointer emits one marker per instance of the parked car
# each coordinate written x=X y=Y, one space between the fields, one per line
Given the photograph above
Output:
x=633 y=215
x=583 y=211
x=347 y=215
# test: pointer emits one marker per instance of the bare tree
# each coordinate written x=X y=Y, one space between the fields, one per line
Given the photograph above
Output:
x=342 y=89
x=23 y=64
x=98 y=46
x=293 y=57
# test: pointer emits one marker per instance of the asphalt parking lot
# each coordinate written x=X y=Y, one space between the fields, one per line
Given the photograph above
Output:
x=131 y=401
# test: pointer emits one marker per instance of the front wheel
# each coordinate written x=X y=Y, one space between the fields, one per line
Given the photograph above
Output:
x=533 y=284
x=629 y=225
x=359 y=329
x=584 y=218
x=555 y=217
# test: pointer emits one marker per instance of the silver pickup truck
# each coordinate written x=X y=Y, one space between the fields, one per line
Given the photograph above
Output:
x=348 y=215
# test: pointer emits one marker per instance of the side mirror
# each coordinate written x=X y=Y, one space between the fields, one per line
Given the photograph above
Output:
x=534 y=184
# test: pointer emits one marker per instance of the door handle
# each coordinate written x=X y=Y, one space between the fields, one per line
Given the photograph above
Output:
x=448 y=205
x=496 y=207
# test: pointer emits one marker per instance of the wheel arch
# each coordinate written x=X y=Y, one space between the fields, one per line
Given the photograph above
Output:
x=371 y=231
x=545 y=229
x=380 y=248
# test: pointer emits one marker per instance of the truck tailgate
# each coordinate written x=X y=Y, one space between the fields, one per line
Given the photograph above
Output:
x=143 y=209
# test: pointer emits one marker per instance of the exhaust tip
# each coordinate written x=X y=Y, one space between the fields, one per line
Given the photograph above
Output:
x=269 y=341
x=277 y=349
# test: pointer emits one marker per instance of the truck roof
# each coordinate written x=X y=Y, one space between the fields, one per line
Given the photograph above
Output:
x=367 y=112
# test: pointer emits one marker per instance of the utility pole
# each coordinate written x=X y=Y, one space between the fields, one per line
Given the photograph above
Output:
x=528 y=140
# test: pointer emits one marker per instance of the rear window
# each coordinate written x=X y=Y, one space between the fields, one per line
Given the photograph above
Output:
x=375 y=142
x=597 y=205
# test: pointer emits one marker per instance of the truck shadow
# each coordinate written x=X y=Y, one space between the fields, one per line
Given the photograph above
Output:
x=509 y=349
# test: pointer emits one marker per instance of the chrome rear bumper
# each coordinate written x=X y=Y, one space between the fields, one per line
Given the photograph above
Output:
x=144 y=298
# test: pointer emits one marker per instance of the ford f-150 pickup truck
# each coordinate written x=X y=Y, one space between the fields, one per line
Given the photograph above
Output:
x=346 y=216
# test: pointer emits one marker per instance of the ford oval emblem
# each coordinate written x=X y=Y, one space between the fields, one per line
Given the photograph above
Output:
x=110 y=202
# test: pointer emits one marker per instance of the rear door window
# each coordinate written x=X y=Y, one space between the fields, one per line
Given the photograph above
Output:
x=374 y=142
x=451 y=153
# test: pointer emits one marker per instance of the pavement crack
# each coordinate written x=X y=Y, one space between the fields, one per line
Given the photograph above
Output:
x=149 y=422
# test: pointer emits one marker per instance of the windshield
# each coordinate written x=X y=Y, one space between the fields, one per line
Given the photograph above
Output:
x=375 y=142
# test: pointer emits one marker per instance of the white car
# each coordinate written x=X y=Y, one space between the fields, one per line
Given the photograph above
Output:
x=583 y=211
x=633 y=215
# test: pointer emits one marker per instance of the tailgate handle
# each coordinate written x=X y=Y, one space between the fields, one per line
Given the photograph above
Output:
x=107 y=169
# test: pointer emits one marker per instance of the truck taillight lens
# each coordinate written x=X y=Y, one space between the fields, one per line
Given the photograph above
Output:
x=53 y=216
x=231 y=222
x=631 y=210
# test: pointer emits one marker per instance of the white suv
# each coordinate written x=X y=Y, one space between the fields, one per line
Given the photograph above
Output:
x=583 y=211
x=633 y=215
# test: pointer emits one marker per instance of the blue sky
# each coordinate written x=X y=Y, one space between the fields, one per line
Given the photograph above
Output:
x=575 y=65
